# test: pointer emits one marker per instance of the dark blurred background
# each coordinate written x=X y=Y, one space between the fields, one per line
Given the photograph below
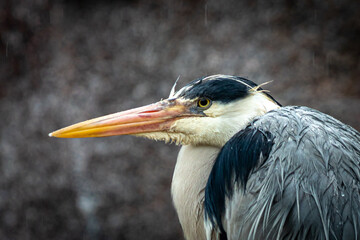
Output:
x=66 y=61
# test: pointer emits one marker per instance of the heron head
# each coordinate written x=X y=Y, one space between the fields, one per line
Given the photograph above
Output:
x=207 y=111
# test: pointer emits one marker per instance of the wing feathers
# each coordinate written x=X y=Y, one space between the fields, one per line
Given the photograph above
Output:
x=294 y=173
x=235 y=162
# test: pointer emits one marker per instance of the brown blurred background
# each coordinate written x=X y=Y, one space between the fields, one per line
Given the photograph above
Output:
x=66 y=61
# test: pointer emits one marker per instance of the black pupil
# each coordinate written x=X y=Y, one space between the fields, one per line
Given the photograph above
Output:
x=203 y=102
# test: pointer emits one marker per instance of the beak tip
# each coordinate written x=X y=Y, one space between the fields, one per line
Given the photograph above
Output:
x=51 y=134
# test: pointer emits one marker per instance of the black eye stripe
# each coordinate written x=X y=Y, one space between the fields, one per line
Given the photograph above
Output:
x=224 y=90
x=220 y=89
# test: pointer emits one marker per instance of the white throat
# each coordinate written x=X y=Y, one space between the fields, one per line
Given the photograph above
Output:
x=192 y=170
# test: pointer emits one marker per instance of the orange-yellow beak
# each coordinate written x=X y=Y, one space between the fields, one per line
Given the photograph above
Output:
x=157 y=117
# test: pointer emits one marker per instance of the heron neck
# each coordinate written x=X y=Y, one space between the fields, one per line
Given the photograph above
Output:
x=192 y=170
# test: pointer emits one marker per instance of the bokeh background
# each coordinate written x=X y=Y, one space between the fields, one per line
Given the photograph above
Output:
x=66 y=61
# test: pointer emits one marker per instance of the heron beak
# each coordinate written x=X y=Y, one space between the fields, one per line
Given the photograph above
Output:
x=157 y=117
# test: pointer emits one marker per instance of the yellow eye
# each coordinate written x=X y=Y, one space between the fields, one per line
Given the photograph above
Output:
x=204 y=102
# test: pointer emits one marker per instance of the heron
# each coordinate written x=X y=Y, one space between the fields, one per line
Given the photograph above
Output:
x=248 y=168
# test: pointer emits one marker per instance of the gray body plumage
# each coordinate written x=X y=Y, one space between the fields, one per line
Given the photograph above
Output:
x=307 y=188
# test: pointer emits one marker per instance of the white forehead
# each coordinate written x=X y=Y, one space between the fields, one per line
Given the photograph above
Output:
x=174 y=94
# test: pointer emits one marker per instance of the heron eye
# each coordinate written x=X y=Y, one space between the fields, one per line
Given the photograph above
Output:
x=203 y=102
